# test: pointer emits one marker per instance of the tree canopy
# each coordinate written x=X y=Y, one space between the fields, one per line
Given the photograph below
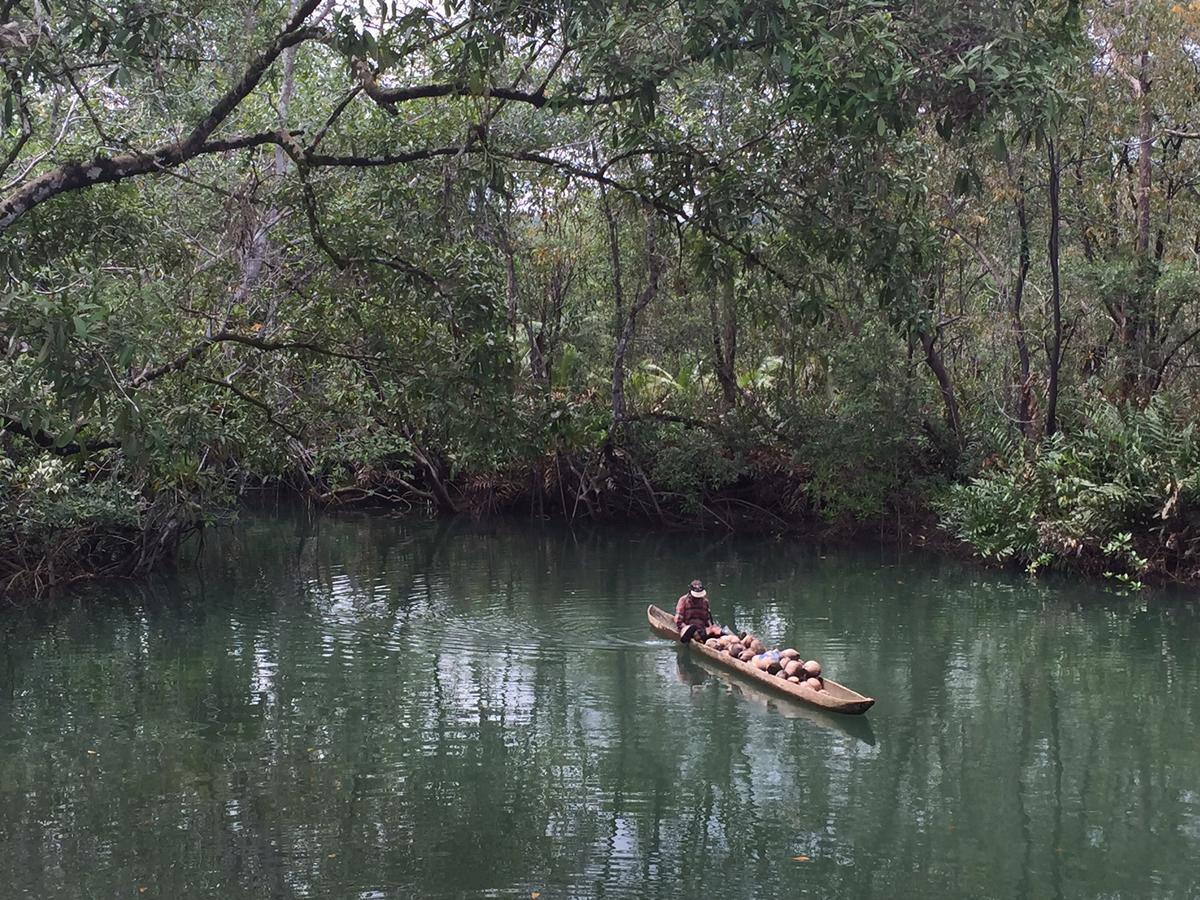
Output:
x=705 y=262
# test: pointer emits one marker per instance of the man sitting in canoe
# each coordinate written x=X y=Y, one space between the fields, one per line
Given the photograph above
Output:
x=693 y=617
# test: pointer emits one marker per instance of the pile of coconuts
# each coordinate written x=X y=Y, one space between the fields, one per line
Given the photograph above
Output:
x=784 y=664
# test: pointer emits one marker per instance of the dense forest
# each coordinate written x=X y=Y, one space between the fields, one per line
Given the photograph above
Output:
x=929 y=270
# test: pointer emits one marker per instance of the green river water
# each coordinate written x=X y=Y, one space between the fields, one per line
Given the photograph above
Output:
x=376 y=708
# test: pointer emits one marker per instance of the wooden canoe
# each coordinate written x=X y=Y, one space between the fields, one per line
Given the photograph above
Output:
x=833 y=697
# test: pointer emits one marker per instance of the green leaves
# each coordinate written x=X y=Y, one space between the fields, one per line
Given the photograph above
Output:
x=999 y=148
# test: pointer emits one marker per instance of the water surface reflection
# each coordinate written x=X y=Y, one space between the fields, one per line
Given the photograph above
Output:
x=369 y=708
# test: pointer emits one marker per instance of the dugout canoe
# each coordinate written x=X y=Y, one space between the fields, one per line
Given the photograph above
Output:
x=833 y=697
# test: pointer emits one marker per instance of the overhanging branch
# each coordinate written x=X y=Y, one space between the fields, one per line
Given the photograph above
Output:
x=74 y=176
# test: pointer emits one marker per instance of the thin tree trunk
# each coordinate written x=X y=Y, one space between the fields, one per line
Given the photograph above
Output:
x=649 y=292
x=510 y=283
x=1054 y=354
x=539 y=370
x=1133 y=320
x=722 y=312
x=1024 y=374
x=614 y=252
x=1085 y=234
x=285 y=97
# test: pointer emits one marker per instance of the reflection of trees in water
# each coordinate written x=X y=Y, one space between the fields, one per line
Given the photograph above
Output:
x=458 y=706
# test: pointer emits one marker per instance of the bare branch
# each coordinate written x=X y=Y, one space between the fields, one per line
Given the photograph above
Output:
x=228 y=337
x=389 y=98
x=253 y=401
x=334 y=116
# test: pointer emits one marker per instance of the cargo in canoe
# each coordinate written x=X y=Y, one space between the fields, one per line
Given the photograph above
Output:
x=833 y=697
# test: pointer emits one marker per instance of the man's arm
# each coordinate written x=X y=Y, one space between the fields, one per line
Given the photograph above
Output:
x=679 y=607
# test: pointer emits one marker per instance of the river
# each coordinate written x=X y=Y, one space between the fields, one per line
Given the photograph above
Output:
x=380 y=708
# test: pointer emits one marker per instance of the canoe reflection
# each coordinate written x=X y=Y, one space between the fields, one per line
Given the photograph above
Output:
x=694 y=670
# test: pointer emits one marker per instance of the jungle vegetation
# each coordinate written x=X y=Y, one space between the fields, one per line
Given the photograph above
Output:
x=927 y=269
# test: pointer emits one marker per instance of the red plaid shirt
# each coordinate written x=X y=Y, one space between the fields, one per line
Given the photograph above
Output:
x=693 y=611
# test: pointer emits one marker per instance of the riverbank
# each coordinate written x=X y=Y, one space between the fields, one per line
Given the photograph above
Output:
x=765 y=491
x=82 y=556
x=1130 y=523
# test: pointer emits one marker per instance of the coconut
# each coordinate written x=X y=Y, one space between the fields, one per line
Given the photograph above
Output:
x=793 y=666
x=758 y=646
x=762 y=663
x=773 y=666
x=793 y=679
x=814 y=683
x=779 y=673
x=746 y=655
x=813 y=668
x=747 y=640
x=789 y=653
x=710 y=642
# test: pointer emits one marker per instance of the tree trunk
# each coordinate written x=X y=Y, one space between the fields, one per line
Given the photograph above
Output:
x=435 y=475
x=1054 y=353
x=933 y=359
